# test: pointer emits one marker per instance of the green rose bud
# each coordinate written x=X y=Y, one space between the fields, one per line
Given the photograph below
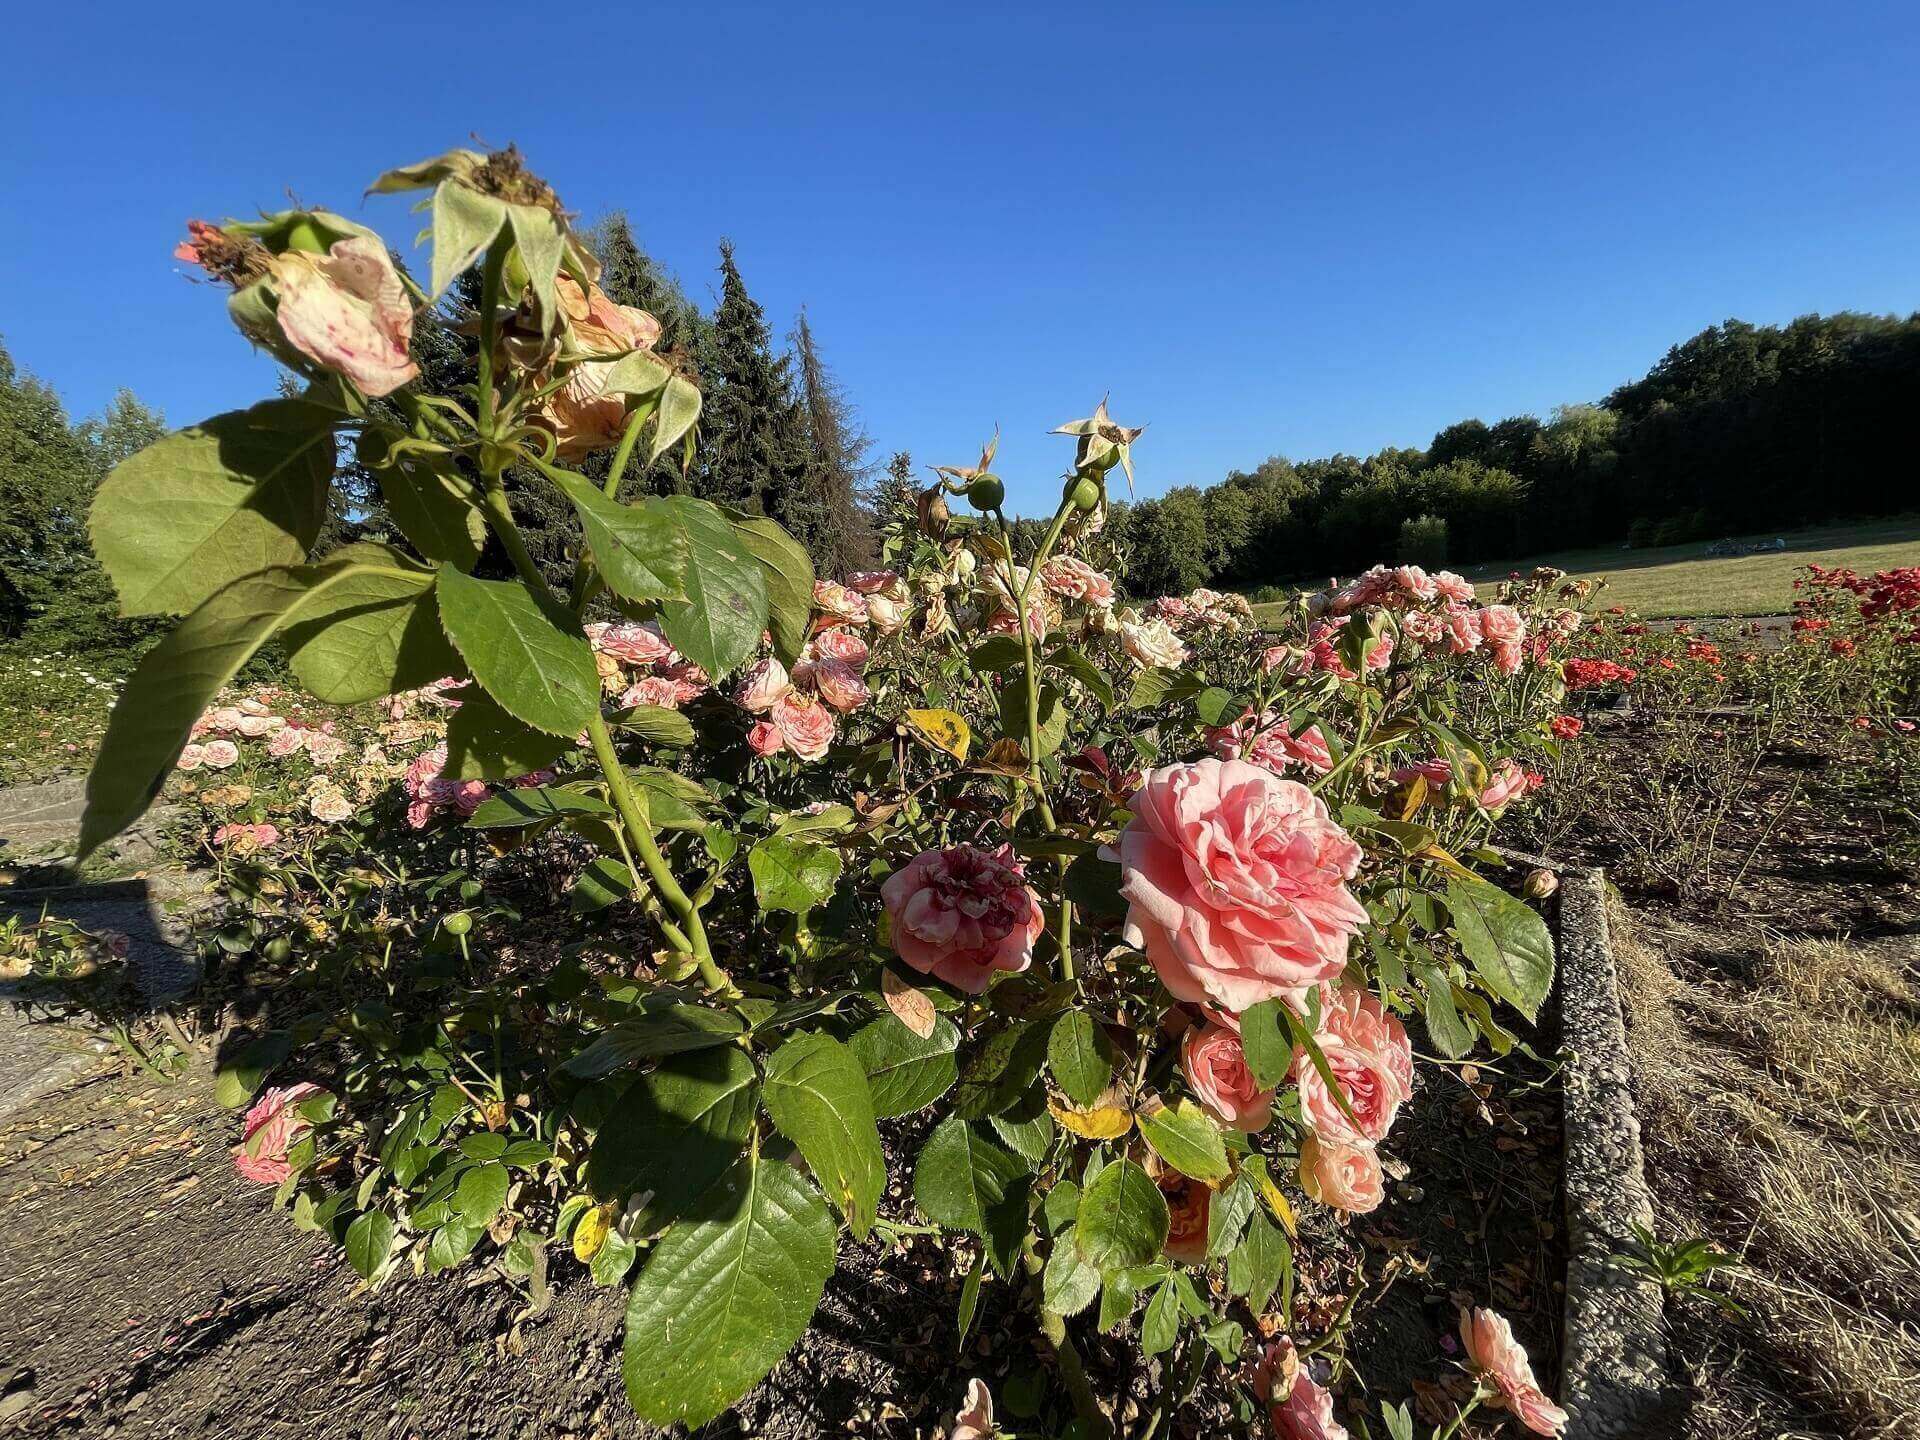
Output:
x=458 y=923
x=985 y=493
x=1084 y=493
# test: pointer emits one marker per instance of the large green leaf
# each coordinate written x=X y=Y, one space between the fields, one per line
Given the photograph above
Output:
x=718 y=625
x=1081 y=1056
x=528 y=655
x=1123 y=1217
x=788 y=571
x=965 y=1181
x=793 y=874
x=369 y=1240
x=484 y=742
x=724 y=1298
x=200 y=508
x=1505 y=941
x=464 y=224
x=435 y=509
x=676 y=1131
x=640 y=548
x=666 y=1031
x=1266 y=1039
x=817 y=1094
x=372 y=634
x=535 y=805
x=904 y=1072
x=1070 y=1281
x=1186 y=1138
x=179 y=677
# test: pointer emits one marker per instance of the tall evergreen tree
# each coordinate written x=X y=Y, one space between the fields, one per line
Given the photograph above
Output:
x=837 y=465
x=47 y=477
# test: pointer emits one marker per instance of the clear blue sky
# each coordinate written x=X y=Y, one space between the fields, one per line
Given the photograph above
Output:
x=1273 y=227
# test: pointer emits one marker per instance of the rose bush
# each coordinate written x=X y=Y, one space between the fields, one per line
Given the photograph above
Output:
x=1133 y=900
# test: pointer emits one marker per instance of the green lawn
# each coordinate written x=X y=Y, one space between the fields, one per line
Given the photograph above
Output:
x=1685 y=580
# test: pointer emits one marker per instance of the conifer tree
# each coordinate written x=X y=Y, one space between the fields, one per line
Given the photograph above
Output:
x=837 y=466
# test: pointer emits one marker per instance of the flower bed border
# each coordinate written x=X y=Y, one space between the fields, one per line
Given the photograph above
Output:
x=1614 y=1378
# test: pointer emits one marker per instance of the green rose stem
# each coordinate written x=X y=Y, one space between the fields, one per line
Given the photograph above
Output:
x=1459 y=1419
x=1066 y=1357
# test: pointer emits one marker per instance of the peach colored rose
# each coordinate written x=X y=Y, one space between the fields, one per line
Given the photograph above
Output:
x=1501 y=1365
x=657 y=690
x=247 y=838
x=885 y=613
x=1298 y=1408
x=1189 y=1205
x=878 y=582
x=324 y=749
x=962 y=914
x=1216 y=1068
x=635 y=644
x=835 y=682
x=764 y=682
x=974 y=1420
x=1463 y=629
x=1423 y=627
x=1415 y=583
x=348 y=312
x=1074 y=579
x=584 y=417
x=1343 y=1177
x=1435 y=770
x=764 y=739
x=805 y=725
x=1371 y=1059
x=838 y=644
x=269 y=1130
x=331 y=807
x=1236 y=883
x=1452 y=587
x=1152 y=645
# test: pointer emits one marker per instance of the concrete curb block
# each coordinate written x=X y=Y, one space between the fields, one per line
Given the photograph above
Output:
x=1614 y=1379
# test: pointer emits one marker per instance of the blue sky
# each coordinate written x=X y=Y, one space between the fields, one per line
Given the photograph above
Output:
x=1276 y=227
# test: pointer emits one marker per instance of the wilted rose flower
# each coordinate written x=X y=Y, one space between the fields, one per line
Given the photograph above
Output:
x=974 y=1420
x=764 y=682
x=878 y=582
x=1500 y=1363
x=1298 y=1408
x=270 y=1129
x=838 y=644
x=247 y=838
x=1153 y=645
x=1539 y=884
x=1189 y=1204
x=1372 y=1061
x=583 y=415
x=838 y=605
x=219 y=754
x=963 y=914
x=885 y=613
x=805 y=725
x=330 y=806
x=1340 y=1176
x=1236 y=883
x=835 y=682
x=348 y=313
x=1074 y=579
x=1216 y=1068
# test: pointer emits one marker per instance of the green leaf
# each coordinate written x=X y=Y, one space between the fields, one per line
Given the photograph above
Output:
x=816 y=1093
x=718 y=625
x=433 y=505
x=534 y=805
x=640 y=548
x=541 y=242
x=1123 y=1217
x=1081 y=1056
x=1094 y=885
x=240 y=493
x=904 y=1072
x=788 y=572
x=484 y=742
x=1186 y=1137
x=1002 y=1070
x=1505 y=941
x=1449 y=1031
x=1214 y=705
x=657 y=725
x=672 y=801
x=1228 y=1212
x=1076 y=664
x=373 y=634
x=723 y=1299
x=481 y=1192
x=1013 y=715
x=964 y=1181
x=667 y=1031
x=178 y=678
x=678 y=413
x=369 y=1242
x=605 y=882
x=451 y=1244
x=1266 y=1038
x=1117 y=1299
x=238 y=1079
x=676 y=1131
x=464 y=224
x=1258 y=1265
x=1070 y=1282
x=1027 y=1128
x=996 y=655
x=793 y=875
x=528 y=655
x=1161 y=1326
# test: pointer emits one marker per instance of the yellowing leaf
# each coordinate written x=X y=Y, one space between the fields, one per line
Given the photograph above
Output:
x=591 y=1232
x=1410 y=799
x=1277 y=1203
x=1106 y=1119
x=914 y=1009
x=1445 y=861
x=941 y=729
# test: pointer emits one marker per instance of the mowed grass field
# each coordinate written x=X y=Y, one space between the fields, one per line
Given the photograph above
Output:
x=1683 y=580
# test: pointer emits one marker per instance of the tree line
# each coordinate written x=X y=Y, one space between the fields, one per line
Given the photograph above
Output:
x=1741 y=428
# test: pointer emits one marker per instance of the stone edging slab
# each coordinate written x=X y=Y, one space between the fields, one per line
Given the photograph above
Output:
x=1614 y=1379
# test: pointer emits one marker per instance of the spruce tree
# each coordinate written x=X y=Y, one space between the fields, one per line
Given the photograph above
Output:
x=837 y=466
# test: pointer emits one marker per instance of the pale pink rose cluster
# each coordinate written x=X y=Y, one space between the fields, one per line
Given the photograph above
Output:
x=245 y=839
x=1500 y=1364
x=428 y=791
x=1268 y=741
x=253 y=719
x=886 y=596
x=1322 y=653
x=1071 y=578
x=214 y=755
x=1396 y=587
x=271 y=1126
x=963 y=914
x=435 y=693
x=639 y=666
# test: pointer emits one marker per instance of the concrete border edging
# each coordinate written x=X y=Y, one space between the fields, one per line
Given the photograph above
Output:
x=1614 y=1377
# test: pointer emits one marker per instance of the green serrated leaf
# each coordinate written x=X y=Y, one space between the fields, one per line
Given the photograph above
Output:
x=484 y=742
x=791 y=874
x=534 y=805
x=372 y=634
x=434 y=507
x=816 y=1093
x=527 y=654
x=1081 y=1056
x=965 y=1181
x=676 y=1132
x=640 y=548
x=904 y=1072
x=719 y=623
x=1123 y=1217
x=787 y=570
x=1187 y=1138
x=1505 y=941
x=666 y=1031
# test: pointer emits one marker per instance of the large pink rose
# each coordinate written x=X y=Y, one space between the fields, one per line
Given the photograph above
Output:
x=962 y=914
x=348 y=312
x=1343 y=1177
x=1236 y=882
x=805 y=725
x=764 y=682
x=271 y=1127
x=1452 y=586
x=839 y=644
x=1372 y=1060
x=834 y=681
x=1500 y=1362
x=837 y=604
x=1073 y=578
x=1216 y=1068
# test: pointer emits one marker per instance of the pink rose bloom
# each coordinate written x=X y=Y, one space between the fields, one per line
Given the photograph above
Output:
x=885 y=613
x=271 y=1127
x=1216 y=1068
x=1342 y=1177
x=764 y=739
x=655 y=690
x=1435 y=771
x=1509 y=783
x=226 y=720
x=247 y=838
x=838 y=604
x=963 y=914
x=289 y=741
x=835 y=682
x=1073 y=578
x=1380 y=653
x=1508 y=659
x=805 y=725
x=333 y=808
x=839 y=644
x=219 y=754
x=875 y=582
x=1271 y=745
x=1298 y=1408
x=634 y=644
x=1236 y=883
x=1500 y=1363
x=1372 y=1061
x=347 y=312
x=255 y=726
x=192 y=757
x=1463 y=629
x=1415 y=583
x=1170 y=607
x=1283 y=657
x=1002 y=622
x=974 y=1421
x=1423 y=627
x=1452 y=587
x=324 y=749
x=764 y=682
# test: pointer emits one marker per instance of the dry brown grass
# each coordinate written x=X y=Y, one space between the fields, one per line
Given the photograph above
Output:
x=1779 y=1086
